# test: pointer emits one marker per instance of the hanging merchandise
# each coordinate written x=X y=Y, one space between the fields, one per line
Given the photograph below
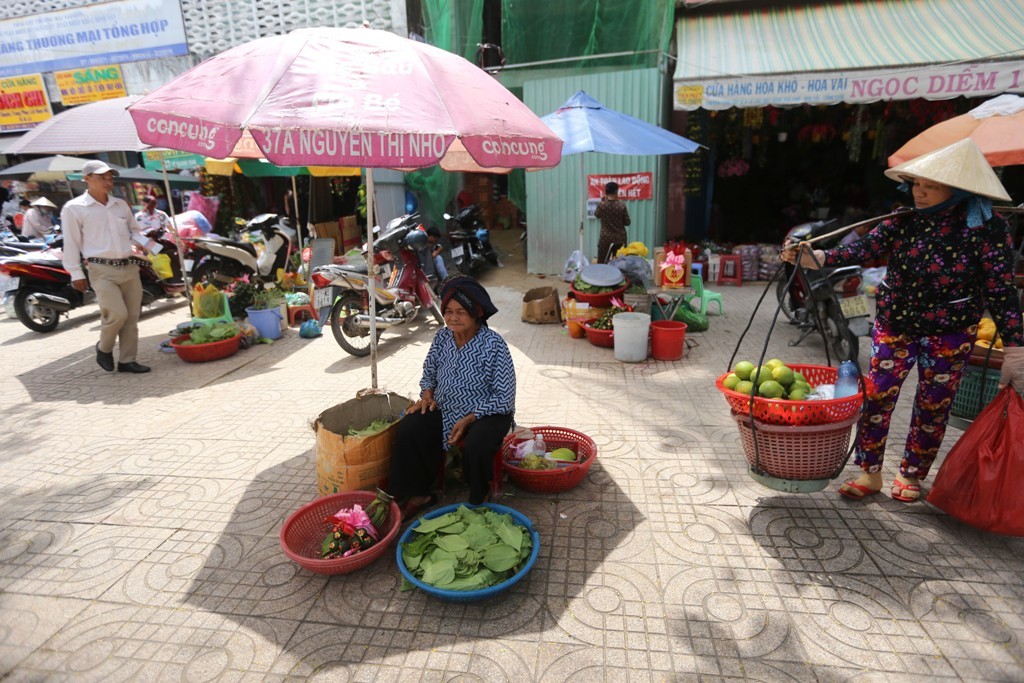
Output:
x=855 y=134
x=694 y=162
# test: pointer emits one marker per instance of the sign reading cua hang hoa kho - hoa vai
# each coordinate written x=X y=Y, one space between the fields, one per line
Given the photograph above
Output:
x=23 y=102
x=631 y=186
x=79 y=86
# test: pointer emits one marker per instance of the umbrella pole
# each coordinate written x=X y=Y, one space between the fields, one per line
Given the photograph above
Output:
x=371 y=283
x=298 y=224
x=583 y=208
x=68 y=183
x=177 y=239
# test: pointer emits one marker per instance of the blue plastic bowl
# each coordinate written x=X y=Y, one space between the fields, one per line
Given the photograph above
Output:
x=469 y=596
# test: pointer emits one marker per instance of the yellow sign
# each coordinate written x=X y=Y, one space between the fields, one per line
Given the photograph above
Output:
x=23 y=102
x=79 y=86
x=689 y=96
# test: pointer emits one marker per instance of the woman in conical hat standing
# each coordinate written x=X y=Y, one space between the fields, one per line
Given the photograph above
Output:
x=949 y=259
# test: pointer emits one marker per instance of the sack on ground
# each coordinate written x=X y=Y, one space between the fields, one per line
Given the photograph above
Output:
x=695 y=322
x=540 y=305
x=979 y=481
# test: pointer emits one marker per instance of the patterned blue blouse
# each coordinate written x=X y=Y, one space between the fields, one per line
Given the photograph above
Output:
x=479 y=378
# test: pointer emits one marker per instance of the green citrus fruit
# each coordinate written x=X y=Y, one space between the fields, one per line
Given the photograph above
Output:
x=774 y=363
x=797 y=395
x=761 y=374
x=743 y=368
x=745 y=387
x=782 y=375
x=770 y=389
x=731 y=381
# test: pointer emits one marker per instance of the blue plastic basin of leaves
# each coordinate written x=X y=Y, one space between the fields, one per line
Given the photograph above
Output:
x=469 y=596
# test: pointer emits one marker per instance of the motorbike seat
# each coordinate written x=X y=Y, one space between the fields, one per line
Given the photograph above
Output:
x=843 y=272
x=334 y=269
x=245 y=246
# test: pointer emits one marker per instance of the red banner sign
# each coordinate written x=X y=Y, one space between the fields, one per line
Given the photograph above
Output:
x=631 y=185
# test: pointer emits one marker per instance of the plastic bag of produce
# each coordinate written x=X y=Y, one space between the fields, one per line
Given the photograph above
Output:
x=635 y=268
x=695 y=322
x=573 y=265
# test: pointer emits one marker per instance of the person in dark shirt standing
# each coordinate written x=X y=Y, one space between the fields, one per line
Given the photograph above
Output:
x=949 y=259
x=614 y=217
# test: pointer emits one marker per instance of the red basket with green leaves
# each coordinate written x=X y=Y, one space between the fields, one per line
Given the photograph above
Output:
x=783 y=412
x=201 y=353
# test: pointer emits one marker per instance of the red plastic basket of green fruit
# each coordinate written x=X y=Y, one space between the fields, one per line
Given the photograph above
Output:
x=560 y=477
x=780 y=411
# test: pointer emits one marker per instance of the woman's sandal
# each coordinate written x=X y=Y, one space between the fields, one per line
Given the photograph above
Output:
x=899 y=489
x=410 y=511
x=864 y=490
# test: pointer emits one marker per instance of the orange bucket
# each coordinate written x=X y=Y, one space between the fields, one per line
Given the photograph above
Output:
x=576 y=330
x=667 y=339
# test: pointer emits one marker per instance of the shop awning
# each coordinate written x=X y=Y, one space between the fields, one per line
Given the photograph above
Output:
x=862 y=51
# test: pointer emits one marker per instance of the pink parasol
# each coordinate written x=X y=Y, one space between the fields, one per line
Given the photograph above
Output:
x=345 y=97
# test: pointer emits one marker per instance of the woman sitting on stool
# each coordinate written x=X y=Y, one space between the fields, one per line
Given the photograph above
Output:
x=467 y=396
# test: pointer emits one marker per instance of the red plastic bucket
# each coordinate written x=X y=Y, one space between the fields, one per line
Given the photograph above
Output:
x=667 y=339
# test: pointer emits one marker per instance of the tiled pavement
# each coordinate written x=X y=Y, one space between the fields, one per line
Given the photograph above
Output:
x=138 y=534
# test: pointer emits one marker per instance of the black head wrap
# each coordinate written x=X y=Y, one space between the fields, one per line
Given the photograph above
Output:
x=470 y=294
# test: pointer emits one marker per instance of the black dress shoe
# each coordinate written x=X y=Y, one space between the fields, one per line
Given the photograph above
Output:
x=105 y=360
x=132 y=367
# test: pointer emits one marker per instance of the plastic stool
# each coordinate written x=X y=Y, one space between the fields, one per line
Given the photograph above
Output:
x=714 y=267
x=306 y=312
x=697 y=269
x=737 y=268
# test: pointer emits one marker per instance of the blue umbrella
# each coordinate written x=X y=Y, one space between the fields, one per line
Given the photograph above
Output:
x=586 y=125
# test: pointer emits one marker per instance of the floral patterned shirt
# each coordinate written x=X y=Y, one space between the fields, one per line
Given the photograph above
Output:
x=942 y=274
x=614 y=217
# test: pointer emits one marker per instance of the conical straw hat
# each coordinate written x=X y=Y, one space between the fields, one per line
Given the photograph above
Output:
x=43 y=201
x=960 y=165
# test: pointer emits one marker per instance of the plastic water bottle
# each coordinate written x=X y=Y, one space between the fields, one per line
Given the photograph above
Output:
x=847 y=384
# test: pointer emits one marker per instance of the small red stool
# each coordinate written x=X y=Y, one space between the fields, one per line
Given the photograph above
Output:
x=730 y=270
x=306 y=312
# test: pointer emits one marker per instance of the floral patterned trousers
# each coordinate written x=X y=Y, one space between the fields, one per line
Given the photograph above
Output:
x=941 y=360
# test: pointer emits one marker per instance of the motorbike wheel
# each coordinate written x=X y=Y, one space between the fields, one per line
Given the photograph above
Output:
x=843 y=343
x=435 y=310
x=36 y=318
x=349 y=336
x=785 y=300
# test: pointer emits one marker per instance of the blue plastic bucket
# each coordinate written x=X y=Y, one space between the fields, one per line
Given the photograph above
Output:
x=266 y=321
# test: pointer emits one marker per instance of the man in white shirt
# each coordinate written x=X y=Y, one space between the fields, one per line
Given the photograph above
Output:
x=37 y=223
x=99 y=228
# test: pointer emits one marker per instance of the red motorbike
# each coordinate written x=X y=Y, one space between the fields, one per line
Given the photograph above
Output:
x=42 y=289
x=342 y=293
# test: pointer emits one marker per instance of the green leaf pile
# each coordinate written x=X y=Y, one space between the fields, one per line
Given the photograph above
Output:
x=466 y=550
x=375 y=427
x=580 y=286
x=206 y=334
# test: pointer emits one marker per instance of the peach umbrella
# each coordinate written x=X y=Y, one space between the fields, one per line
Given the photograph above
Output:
x=997 y=126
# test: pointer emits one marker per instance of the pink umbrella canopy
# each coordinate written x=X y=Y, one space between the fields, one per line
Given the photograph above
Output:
x=345 y=97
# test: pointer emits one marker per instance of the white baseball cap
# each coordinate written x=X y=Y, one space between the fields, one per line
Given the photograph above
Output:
x=94 y=166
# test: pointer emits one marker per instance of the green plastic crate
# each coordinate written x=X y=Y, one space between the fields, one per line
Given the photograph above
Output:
x=966 y=404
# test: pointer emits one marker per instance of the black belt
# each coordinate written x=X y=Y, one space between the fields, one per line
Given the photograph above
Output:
x=115 y=262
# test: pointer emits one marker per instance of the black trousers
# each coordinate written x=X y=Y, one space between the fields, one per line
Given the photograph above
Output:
x=417 y=454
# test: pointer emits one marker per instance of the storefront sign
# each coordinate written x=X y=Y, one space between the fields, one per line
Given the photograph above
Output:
x=80 y=86
x=833 y=87
x=92 y=35
x=23 y=102
x=172 y=159
x=631 y=186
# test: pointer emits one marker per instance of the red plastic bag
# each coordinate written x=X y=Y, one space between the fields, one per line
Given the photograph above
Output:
x=979 y=482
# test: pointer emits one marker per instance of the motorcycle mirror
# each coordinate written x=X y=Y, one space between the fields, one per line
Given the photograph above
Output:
x=447 y=216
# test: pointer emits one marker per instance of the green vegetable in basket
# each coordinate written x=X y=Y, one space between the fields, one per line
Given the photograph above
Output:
x=466 y=550
x=536 y=462
x=207 y=334
x=605 y=321
x=580 y=286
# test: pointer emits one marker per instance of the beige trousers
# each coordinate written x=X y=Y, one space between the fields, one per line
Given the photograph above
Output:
x=119 y=294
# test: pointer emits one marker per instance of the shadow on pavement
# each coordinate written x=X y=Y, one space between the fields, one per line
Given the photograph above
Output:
x=246 y=574
x=90 y=316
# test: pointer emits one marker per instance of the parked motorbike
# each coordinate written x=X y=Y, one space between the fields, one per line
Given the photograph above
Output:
x=470 y=240
x=220 y=261
x=342 y=294
x=828 y=297
x=42 y=291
